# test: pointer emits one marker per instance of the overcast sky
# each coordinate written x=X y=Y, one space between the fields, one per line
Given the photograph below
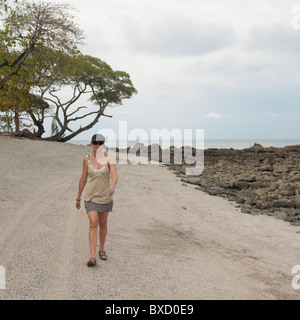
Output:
x=230 y=67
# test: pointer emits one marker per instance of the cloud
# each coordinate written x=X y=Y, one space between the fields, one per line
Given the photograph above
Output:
x=130 y=113
x=171 y=36
x=270 y=115
x=237 y=57
x=214 y=115
x=275 y=38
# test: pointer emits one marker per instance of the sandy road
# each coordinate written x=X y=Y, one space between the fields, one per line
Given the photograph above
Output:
x=166 y=240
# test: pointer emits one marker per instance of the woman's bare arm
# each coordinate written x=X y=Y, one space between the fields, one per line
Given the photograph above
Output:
x=114 y=175
x=82 y=182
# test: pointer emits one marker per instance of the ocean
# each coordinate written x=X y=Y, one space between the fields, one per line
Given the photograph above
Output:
x=208 y=144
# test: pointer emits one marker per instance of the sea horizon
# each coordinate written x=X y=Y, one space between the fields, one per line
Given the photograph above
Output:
x=207 y=144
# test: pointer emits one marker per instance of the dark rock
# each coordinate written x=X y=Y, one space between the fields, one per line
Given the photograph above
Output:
x=283 y=203
x=240 y=200
x=246 y=209
x=266 y=168
x=194 y=180
x=239 y=185
x=289 y=218
x=257 y=148
x=262 y=180
x=259 y=184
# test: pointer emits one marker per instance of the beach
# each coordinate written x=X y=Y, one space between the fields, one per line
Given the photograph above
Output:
x=166 y=240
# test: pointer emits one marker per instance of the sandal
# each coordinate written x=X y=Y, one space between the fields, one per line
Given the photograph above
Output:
x=102 y=255
x=91 y=262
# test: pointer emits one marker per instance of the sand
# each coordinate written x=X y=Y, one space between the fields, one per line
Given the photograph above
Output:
x=165 y=240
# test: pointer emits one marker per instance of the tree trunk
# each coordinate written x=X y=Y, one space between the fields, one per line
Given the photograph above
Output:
x=17 y=122
x=38 y=123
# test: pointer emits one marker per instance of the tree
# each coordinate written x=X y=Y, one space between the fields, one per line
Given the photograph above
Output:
x=39 y=60
x=4 y=5
x=82 y=76
x=29 y=27
x=85 y=76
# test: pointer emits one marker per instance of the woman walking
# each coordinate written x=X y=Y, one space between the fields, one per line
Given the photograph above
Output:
x=98 y=169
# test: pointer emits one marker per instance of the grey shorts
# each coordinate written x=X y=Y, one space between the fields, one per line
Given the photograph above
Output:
x=92 y=206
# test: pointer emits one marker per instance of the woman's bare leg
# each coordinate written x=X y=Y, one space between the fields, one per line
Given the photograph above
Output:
x=93 y=217
x=102 y=220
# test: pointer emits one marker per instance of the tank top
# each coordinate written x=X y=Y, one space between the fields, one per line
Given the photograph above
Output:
x=97 y=184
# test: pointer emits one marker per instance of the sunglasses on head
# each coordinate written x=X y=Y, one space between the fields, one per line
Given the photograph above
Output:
x=99 y=143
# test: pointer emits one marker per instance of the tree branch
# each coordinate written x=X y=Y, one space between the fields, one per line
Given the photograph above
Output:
x=82 y=107
x=84 y=116
x=18 y=63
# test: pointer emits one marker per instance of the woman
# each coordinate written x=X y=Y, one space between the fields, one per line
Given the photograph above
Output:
x=98 y=167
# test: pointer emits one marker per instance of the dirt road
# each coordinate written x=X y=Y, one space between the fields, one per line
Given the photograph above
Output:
x=166 y=240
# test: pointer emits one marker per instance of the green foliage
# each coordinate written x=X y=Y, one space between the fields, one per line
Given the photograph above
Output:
x=109 y=87
x=39 y=58
x=29 y=27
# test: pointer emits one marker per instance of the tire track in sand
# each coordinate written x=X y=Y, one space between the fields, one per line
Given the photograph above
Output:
x=19 y=236
x=72 y=244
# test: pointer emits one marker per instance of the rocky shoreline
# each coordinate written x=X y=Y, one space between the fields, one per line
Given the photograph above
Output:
x=260 y=180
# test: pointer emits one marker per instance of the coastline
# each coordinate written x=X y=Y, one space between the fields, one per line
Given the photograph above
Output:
x=208 y=143
x=260 y=180
x=166 y=240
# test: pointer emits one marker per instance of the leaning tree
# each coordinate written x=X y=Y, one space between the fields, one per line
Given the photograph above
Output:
x=44 y=75
x=78 y=90
x=31 y=26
